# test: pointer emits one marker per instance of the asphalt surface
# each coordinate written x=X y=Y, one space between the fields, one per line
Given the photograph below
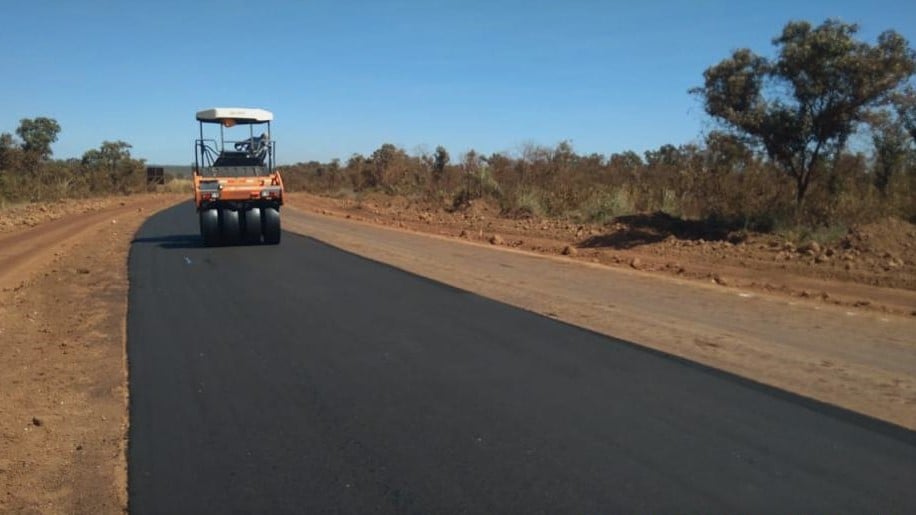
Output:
x=302 y=379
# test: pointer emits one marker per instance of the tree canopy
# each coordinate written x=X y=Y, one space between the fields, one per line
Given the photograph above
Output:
x=802 y=106
x=109 y=154
x=38 y=134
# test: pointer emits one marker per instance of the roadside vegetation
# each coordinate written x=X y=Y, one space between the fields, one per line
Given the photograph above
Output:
x=813 y=139
x=29 y=174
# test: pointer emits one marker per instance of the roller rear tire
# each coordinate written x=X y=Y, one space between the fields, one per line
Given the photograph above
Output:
x=271 y=225
x=252 y=232
x=232 y=230
x=209 y=227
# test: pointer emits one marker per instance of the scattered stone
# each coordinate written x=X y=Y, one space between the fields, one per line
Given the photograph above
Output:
x=569 y=250
x=718 y=279
x=821 y=258
x=811 y=248
x=463 y=234
x=82 y=271
x=788 y=246
x=37 y=422
x=496 y=240
x=636 y=263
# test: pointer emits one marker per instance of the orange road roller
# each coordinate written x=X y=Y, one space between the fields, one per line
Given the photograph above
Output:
x=237 y=191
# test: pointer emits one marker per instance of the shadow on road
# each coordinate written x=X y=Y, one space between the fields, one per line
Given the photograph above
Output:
x=174 y=241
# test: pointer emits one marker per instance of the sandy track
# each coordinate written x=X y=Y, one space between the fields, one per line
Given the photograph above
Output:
x=25 y=251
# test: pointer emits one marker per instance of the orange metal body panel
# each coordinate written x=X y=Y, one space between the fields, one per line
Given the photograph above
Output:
x=239 y=188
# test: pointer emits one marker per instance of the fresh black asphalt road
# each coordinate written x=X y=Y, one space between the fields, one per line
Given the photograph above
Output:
x=302 y=379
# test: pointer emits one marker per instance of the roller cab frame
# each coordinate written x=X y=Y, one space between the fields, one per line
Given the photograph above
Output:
x=237 y=191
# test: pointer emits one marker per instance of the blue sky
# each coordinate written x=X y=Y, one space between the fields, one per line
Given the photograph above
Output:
x=344 y=76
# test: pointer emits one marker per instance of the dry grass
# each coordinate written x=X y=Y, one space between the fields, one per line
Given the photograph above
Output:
x=176 y=185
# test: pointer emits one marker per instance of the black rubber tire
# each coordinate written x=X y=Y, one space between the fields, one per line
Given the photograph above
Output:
x=209 y=227
x=252 y=226
x=270 y=220
x=232 y=230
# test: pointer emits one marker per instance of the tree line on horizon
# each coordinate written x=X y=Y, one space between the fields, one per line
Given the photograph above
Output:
x=29 y=174
x=780 y=152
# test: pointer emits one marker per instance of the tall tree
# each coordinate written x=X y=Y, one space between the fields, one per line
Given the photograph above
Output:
x=891 y=151
x=802 y=106
x=628 y=161
x=440 y=161
x=905 y=104
x=37 y=135
x=109 y=154
x=7 y=150
x=726 y=152
x=388 y=163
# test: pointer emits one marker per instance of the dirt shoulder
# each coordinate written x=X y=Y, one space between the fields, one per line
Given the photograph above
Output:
x=871 y=267
x=861 y=359
x=63 y=301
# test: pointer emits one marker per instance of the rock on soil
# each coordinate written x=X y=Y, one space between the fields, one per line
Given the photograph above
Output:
x=812 y=247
